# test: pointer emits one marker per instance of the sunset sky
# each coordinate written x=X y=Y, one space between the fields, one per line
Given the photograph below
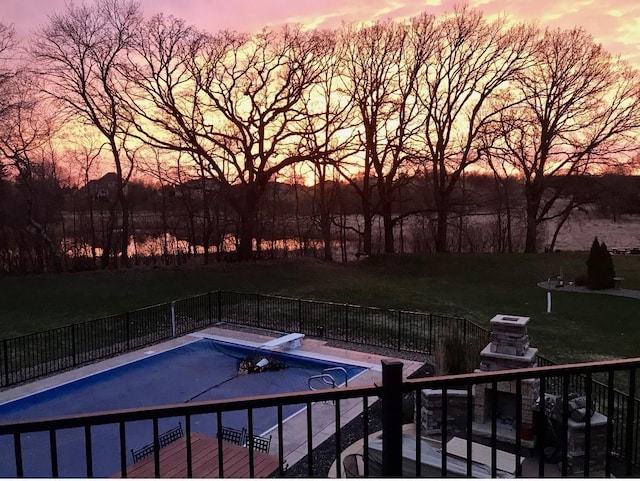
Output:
x=614 y=23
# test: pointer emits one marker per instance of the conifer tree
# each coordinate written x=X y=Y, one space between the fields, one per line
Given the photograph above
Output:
x=600 y=270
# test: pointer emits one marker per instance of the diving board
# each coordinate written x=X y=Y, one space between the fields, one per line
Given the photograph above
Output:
x=288 y=341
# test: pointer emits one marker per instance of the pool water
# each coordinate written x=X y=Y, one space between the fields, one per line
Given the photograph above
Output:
x=199 y=371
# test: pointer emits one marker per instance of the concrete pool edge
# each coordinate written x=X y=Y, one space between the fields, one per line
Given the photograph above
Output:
x=300 y=352
x=25 y=389
x=76 y=374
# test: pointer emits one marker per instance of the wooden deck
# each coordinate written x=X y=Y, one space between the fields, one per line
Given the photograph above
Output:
x=204 y=451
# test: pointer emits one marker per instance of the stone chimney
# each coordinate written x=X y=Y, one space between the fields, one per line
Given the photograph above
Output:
x=509 y=349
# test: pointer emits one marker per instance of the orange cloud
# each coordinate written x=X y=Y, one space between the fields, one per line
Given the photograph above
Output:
x=614 y=23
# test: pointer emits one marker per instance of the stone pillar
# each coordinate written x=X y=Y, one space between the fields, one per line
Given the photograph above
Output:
x=432 y=412
x=576 y=445
x=509 y=349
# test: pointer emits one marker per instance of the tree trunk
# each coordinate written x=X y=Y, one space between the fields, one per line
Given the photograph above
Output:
x=387 y=219
x=531 y=241
x=247 y=210
x=107 y=238
x=441 y=231
x=206 y=221
x=325 y=216
x=124 y=212
x=165 y=227
x=245 y=244
x=368 y=230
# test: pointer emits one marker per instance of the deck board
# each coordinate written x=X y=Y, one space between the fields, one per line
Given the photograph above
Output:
x=204 y=460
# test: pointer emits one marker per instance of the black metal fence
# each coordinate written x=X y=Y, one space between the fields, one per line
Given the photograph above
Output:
x=32 y=356
x=35 y=355
x=606 y=396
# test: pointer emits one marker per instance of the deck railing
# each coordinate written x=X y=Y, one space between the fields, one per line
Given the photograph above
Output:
x=44 y=448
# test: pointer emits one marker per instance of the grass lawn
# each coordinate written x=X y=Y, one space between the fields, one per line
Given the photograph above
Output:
x=475 y=286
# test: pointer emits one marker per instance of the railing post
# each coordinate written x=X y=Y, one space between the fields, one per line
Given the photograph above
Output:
x=173 y=318
x=391 y=418
x=299 y=315
x=629 y=422
x=219 y=305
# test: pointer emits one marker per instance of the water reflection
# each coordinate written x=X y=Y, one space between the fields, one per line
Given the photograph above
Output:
x=169 y=245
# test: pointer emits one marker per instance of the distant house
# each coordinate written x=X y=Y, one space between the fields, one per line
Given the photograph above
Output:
x=194 y=188
x=104 y=188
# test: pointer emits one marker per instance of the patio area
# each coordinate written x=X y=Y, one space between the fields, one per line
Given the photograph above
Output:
x=205 y=461
x=456 y=455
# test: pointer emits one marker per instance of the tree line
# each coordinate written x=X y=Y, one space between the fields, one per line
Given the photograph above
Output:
x=366 y=130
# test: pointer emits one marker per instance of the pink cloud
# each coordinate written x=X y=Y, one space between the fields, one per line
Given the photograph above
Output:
x=26 y=15
x=615 y=23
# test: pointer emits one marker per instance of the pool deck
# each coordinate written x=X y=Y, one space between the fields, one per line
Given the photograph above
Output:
x=295 y=427
x=323 y=414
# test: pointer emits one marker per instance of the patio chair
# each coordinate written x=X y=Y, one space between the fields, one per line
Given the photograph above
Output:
x=261 y=443
x=235 y=436
x=164 y=439
x=351 y=465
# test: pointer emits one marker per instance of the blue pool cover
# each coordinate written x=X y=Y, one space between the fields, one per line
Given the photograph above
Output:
x=199 y=371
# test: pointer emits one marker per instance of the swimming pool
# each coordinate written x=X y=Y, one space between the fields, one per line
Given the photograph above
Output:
x=201 y=370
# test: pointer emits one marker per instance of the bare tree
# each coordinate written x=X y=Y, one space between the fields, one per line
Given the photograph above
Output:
x=332 y=133
x=7 y=75
x=380 y=66
x=230 y=101
x=25 y=133
x=78 y=53
x=474 y=60
x=85 y=158
x=578 y=111
x=504 y=183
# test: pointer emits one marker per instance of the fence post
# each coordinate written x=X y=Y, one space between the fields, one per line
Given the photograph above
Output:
x=5 y=345
x=430 y=334
x=391 y=418
x=73 y=345
x=128 y=329
x=219 y=305
x=209 y=312
x=399 y=330
x=258 y=309
x=346 y=322
x=173 y=318
x=630 y=424
x=464 y=330
x=299 y=315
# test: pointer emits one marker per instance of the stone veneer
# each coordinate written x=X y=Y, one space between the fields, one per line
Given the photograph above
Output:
x=576 y=444
x=432 y=412
x=509 y=349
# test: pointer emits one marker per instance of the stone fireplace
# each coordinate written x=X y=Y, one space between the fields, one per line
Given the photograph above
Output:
x=509 y=349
